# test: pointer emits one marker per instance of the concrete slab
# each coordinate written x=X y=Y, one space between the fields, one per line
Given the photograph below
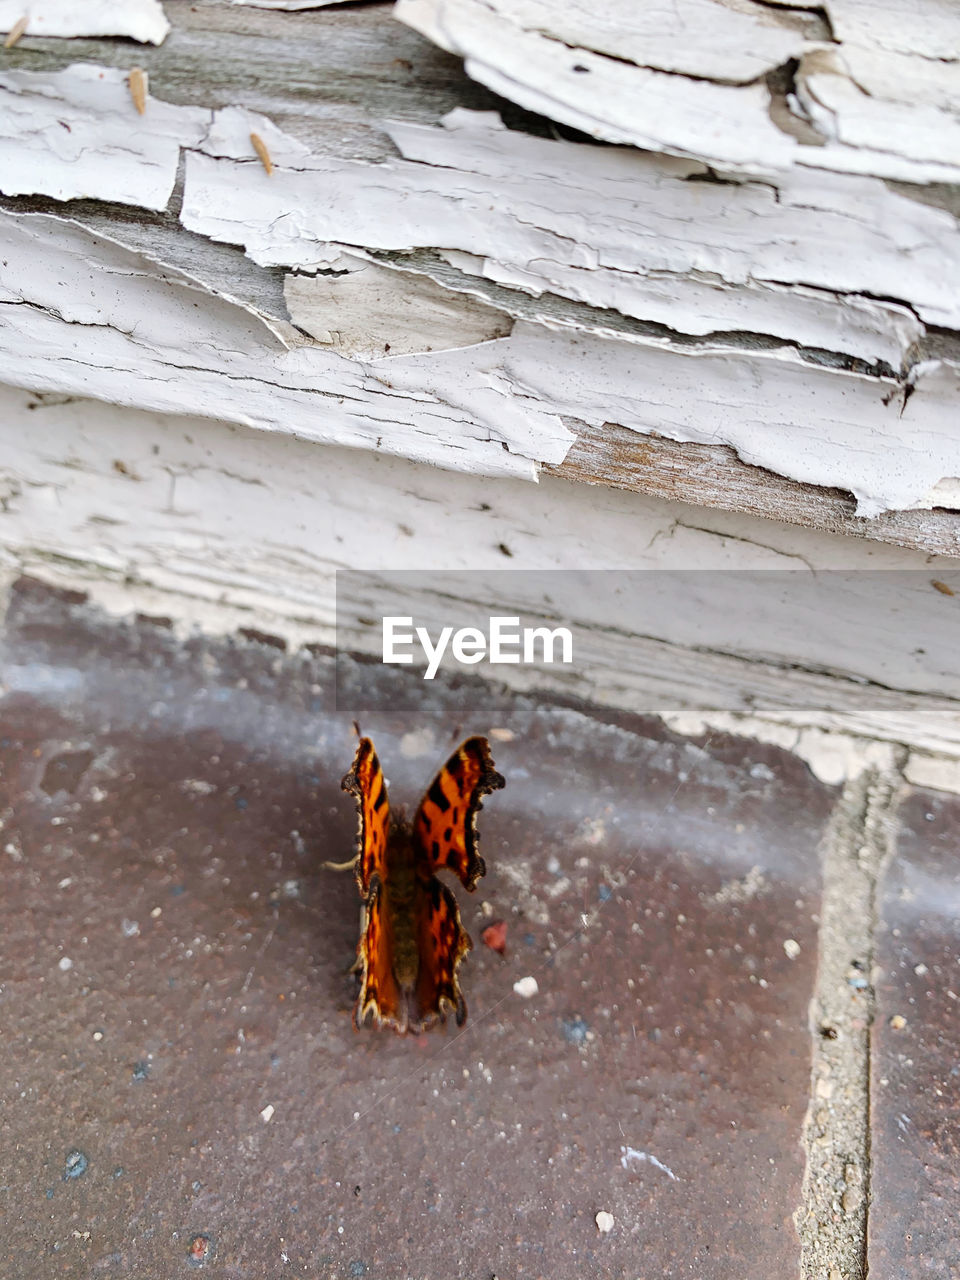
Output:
x=181 y=1084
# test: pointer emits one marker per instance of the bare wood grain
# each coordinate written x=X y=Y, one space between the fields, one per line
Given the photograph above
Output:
x=714 y=477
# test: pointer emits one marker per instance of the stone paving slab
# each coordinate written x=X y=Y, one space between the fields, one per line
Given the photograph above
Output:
x=181 y=1085
x=915 y=1094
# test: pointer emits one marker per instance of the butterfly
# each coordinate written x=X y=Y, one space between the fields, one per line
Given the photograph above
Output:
x=411 y=940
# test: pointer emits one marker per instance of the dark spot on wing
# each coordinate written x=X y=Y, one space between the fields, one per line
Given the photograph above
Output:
x=437 y=797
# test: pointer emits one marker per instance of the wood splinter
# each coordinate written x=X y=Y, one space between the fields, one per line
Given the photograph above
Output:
x=16 y=31
x=137 y=80
x=260 y=147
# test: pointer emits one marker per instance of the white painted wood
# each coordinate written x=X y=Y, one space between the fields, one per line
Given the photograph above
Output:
x=76 y=133
x=708 y=39
x=369 y=311
x=929 y=29
x=784 y=312
x=676 y=78
x=606 y=98
x=142 y=20
x=775 y=410
x=228 y=135
x=643 y=234
x=291 y=6
x=227 y=526
x=90 y=317
x=86 y=316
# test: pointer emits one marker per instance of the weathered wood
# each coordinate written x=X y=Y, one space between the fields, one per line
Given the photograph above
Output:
x=713 y=476
x=804 y=322
x=331 y=77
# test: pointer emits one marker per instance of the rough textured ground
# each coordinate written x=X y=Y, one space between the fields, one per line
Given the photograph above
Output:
x=915 y=1095
x=180 y=1083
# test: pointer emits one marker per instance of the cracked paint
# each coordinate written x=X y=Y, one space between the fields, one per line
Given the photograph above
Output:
x=686 y=78
x=784 y=315
x=144 y=335
x=614 y=229
x=75 y=134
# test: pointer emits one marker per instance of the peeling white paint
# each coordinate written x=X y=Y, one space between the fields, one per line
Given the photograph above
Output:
x=229 y=137
x=677 y=78
x=821 y=425
x=820 y=262
x=638 y=234
x=143 y=335
x=602 y=96
x=701 y=38
x=136 y=333
x=865 y=131
x=812 y=260
x=142 y=20
x=931 y=29
x=76 y=134
x=290 y=5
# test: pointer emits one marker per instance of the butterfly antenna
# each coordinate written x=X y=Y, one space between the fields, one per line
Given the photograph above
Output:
x=356 y=729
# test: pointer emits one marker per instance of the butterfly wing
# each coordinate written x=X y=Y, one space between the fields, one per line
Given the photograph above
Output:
x=445 y=826
x=366 y=783
x=443 y=943
x=380 y=992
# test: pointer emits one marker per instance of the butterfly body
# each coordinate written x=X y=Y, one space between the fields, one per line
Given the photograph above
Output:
x=412 y=940
x=402 y=890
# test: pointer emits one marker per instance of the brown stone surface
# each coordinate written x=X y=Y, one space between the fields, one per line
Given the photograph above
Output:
x=915 y=1094
x=173 y=961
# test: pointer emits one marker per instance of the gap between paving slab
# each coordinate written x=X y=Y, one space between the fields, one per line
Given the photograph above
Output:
x=833 y=1220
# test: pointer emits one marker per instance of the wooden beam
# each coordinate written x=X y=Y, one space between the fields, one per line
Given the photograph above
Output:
x=713 y=476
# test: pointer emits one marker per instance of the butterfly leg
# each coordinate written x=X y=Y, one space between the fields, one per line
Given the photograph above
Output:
x=349 y=865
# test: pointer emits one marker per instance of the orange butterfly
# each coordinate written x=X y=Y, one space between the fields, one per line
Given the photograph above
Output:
x=412 y=941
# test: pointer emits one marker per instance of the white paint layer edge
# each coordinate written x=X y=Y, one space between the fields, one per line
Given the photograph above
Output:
x=678 y=79
x=142 y=20
x=83 y=315
x=76 y=134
